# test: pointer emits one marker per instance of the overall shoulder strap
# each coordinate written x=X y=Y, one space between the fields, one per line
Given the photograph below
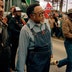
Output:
x=33 y=32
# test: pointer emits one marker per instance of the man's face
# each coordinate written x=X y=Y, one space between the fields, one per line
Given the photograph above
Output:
x=56 y=14
x=38 y=14
x=1 y=9
x=12 y=9
x=18 y=13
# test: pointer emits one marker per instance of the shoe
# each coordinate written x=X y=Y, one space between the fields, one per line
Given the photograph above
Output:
x=55 y=62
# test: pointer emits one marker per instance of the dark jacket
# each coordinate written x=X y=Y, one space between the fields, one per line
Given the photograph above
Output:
x=15 y=26
x=4 y=49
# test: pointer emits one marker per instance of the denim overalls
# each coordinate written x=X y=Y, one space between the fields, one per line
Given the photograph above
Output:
x=38 y=59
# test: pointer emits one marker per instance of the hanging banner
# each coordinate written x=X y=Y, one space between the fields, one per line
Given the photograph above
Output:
x=28 y=2
x=48 y=9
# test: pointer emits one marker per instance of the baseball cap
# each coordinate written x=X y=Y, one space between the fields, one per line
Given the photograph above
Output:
x=18 y=9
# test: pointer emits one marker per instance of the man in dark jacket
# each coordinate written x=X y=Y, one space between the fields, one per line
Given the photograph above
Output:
x=9 y=16
x=15 y=25
x=4 y=50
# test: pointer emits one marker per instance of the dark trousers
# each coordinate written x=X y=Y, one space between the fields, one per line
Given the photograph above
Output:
x=13 y=53
x=4 y=69
x=4 y=59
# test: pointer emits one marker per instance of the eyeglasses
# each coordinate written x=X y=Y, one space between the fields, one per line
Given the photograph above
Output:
x=41 y=13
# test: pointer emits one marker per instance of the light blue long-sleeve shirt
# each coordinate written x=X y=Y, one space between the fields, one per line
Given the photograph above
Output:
x=26 y=40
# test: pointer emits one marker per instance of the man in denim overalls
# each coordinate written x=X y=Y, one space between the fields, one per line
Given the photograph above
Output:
x=35 y=48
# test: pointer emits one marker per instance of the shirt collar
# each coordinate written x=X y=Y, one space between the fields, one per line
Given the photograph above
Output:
x=31 y=23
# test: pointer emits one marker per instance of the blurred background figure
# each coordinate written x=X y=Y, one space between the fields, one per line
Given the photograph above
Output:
x=51 y=22
x=15 y=25
x=67 y=32
x=12 y=13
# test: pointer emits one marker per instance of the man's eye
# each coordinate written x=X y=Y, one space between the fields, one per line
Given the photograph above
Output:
x=2 y=6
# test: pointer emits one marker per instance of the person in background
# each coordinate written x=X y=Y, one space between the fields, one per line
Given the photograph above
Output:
x=67 y=31
x=8 y=17
x=4 y=50
x=59 y=28
x=15 y=25
x=55 y=16
x=12 y=14
x=51 y=22
x=35 y=46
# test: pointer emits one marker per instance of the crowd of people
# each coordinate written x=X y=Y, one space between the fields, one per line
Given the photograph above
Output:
x=31 y=40
x=55 y=21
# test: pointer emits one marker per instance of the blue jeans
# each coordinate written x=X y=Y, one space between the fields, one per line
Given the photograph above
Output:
x=67 y=61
